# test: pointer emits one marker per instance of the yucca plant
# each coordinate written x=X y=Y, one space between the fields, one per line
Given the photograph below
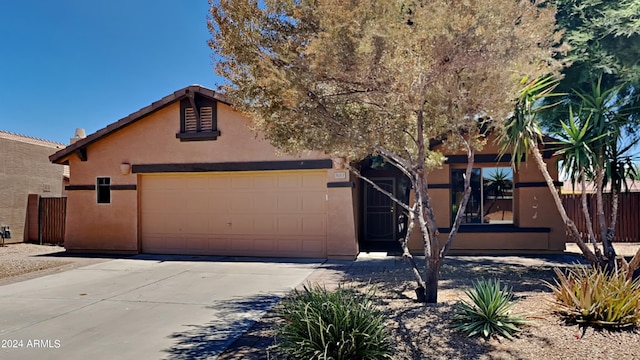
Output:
x=487 y=311
x=340 y=324
x=593 y=296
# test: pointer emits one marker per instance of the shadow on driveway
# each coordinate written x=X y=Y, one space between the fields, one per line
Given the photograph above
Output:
x=232 y=320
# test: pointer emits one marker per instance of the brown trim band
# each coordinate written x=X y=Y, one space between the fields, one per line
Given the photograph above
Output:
x=482 y=158
x=536 y=184
x=341 y=184
x=124 y=187
x=497 y=228
x=233 y=166
x=198 y=136
x=79 y=187
x=93 y=187
x=438 y=186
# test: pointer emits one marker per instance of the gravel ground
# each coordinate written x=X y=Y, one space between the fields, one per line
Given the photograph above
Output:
x=423 y=331
x=21 y=261
x=18 y=259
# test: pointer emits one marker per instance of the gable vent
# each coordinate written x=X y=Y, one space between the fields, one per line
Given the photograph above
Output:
x=190 y=120
x=206 y=119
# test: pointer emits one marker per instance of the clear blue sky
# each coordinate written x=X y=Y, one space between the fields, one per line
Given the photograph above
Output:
x=83 y=63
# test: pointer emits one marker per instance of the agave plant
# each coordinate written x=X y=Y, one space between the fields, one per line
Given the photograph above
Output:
x=487 y=311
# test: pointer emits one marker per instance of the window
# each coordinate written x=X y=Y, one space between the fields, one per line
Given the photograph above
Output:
x=103 y=190
x=198 y=119
x=491 y=200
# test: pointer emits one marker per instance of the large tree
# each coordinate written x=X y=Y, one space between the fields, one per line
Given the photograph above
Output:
x=602 y=90
x=364 y=77
x=604 y=36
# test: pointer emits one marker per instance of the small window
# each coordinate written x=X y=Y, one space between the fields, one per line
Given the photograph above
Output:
x=103 y=190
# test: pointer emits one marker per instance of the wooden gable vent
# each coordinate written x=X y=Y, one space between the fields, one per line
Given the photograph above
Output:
x=191 y=120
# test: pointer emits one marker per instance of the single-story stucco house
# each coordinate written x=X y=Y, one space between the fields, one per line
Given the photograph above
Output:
x=186 y=175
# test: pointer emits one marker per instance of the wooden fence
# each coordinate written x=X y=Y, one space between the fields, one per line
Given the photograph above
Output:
x=45 y=219
x=628 y=223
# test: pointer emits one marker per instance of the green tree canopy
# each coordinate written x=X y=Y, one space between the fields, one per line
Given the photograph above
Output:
x=385 y=77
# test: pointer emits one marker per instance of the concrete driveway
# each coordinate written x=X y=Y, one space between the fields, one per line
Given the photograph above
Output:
x=145 y=307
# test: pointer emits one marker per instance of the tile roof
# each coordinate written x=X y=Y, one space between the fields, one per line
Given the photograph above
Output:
x=59 y=157
x=570 y=188
x=30 y=140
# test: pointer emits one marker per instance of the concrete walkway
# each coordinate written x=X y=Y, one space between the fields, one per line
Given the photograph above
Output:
x=145 y=307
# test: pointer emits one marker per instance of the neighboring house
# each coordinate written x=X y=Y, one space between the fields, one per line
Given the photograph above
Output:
x=569 y=188
x=186 y=175
x=25 y=170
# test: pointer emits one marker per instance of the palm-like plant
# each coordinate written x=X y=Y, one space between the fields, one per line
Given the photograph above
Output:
x=590 y=150
x=602 y=159
x=522 y=136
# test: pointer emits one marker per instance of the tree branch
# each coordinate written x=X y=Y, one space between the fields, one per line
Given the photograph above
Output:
x=375 y=186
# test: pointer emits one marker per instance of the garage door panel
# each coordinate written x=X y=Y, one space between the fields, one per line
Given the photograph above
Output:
x=253 y=213
x=289 y=204
x=313 y=202
x=196 y=201
x=289 y=181
x=314 y=225
x=242 y=183
x=195 y=243
x=264 y=224
x=313 y=245
x=218 y=182
x=242 y=202
x=220 y=225
x=265 y=182
x=317 y=181
x=265 y=202
x=289 y=225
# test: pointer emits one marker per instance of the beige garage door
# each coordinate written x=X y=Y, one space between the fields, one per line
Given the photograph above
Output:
x=274 y=213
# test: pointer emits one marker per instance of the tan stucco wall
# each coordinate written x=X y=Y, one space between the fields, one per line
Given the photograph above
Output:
x=24 y=169
x=342 y=222
x=152 y=140
x=533 y=207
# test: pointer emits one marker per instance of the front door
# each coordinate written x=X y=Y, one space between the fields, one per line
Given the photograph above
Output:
x=380 y=217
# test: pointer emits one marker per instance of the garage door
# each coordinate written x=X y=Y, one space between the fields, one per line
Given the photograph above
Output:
x=274 y=213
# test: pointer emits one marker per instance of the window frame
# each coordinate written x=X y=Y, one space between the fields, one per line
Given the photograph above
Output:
x=481 y=194
x=100 y=187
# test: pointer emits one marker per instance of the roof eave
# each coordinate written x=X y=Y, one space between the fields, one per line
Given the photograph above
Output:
x=61 y=156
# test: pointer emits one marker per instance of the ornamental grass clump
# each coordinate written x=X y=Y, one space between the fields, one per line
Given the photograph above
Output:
x=487 y=311
x=340 y=324
x=592 y=296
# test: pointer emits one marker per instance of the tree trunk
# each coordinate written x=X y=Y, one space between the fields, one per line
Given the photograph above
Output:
x=407 y=254
x=569 y=224
x=587 y=216
x=432 y=274
x=634 y=264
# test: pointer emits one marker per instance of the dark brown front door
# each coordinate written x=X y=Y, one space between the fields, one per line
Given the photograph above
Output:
x=380 y=217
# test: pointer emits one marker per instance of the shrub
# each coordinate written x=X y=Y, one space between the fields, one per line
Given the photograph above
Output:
x=591 y=296
x=340 y=324
x=488 y=311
